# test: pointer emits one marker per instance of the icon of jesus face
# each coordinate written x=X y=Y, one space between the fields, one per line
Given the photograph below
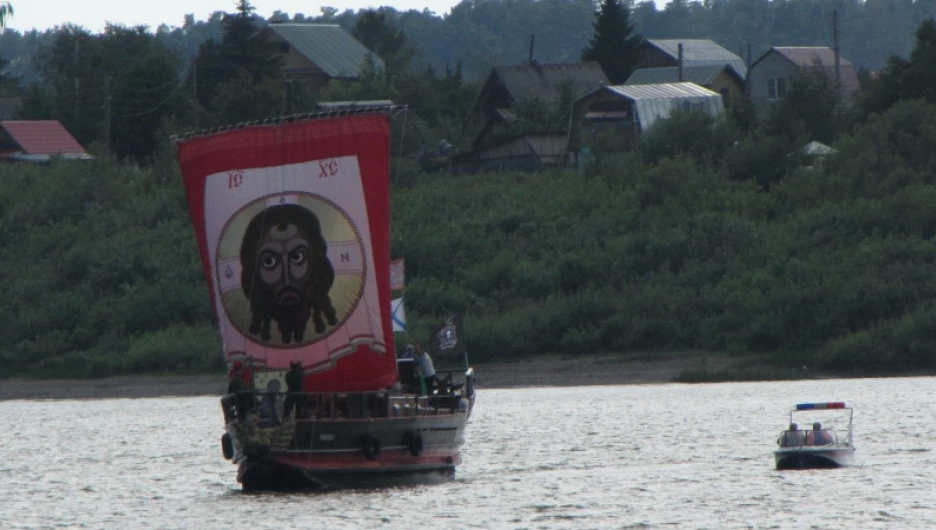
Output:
x=286 y=273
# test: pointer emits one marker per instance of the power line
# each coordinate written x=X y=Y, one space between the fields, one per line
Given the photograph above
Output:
x=156 y=107
x=180 y=77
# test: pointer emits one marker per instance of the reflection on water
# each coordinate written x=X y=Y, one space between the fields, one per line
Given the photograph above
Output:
x=652 y=456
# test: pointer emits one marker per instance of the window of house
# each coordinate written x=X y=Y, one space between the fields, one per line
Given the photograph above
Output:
x=776 y=88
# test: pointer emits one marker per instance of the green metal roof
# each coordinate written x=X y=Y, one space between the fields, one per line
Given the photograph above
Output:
x=328 y=46
x=699 y=52
x=700 y=75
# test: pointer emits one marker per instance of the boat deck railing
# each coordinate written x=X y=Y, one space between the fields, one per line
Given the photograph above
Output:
x=313 y=406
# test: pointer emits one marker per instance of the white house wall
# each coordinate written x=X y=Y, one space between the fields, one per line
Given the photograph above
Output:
x=773 y=65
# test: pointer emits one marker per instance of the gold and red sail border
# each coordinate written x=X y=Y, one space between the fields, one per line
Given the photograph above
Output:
x=292 y=223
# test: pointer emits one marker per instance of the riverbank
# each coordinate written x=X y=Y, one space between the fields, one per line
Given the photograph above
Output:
x=541 y=371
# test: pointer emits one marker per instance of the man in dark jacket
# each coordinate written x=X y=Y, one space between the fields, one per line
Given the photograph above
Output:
x=294 y=379
x=238 y=387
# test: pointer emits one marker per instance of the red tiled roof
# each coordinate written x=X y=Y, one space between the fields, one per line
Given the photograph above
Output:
x=42 y=137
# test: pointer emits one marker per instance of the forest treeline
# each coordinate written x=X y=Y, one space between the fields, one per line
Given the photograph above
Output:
x=710 y=236
x=480 y=33
x=205 y=72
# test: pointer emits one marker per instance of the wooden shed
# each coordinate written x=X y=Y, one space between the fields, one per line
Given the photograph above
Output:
x=628 y=110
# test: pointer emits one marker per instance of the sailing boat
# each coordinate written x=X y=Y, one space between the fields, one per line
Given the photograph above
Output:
x=292 y=219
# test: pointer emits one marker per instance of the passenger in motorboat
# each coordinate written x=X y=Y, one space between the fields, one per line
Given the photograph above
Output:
x=819 y=436
x=792 y=437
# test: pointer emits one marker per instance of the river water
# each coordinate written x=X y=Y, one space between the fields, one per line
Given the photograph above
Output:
x=610 y=457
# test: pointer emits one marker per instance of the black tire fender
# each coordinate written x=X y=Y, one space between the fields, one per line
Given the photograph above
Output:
x=227 y=448
x=414 y=442
x=371 y=446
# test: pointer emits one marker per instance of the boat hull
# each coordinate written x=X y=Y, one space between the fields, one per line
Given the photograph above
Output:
x=365 y=453
x=814 y=457
x=277 y=476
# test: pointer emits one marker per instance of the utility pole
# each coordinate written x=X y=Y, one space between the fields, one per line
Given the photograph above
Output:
x=835 y=47
x=289 y=97
x=107 y=117
x=747 y=66
x=75 y=83
x=195 y=87
x=679 y=63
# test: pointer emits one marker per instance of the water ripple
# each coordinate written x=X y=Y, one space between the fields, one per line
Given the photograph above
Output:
x=633 y=457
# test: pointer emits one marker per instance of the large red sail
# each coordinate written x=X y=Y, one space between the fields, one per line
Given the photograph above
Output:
x=292 y=222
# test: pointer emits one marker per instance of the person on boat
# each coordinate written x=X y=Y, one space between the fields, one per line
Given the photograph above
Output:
x=409 y=352
x=792 y=437
x=238 y=386
x=294 y=379
x=819 y=436
x=245 y=371
x=426 y=368
x=268 y=402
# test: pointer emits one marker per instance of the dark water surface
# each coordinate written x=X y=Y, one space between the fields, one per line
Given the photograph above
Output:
x=653 y=456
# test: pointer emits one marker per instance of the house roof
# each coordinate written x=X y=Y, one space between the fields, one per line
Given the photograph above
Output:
x=663 y=91
x=541 y=81
x=810 y=55
x=42 y=137
x=334 y=105
x=815 y=148
x=657 y=102
x=699 y=52
x=822 y=56
x=533 y=80
x=540 y=148
x=700 y=75
x=329 y=46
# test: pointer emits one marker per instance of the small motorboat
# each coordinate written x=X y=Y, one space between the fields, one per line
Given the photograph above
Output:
x=821 y=447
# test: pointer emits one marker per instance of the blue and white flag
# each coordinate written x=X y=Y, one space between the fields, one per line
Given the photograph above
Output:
x=397 y=315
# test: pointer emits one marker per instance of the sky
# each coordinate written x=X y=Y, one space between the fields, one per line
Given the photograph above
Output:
x=93 y=14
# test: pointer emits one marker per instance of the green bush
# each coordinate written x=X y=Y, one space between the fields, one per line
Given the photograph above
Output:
x=175 y=349
x=747 y=251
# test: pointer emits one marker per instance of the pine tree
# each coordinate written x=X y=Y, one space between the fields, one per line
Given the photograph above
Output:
x=245 y=48
x=377 y=31
x=242 y=48
x=614 y=45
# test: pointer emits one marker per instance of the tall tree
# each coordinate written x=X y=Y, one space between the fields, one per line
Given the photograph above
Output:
x=246 y=48
x=615 y=45
x=7 y=85
x=126 y=68
x=904 y=79
x=376 y=30
x=812 y=106
x=6 y=11
x=242 y=47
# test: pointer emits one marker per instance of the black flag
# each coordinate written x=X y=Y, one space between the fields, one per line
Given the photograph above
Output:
x=447 y=344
